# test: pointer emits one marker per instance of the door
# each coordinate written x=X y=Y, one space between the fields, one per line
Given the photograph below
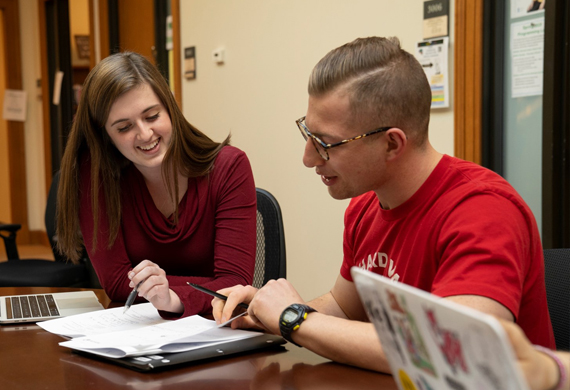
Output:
x=57 y=76
x=140 y=26
x=526 y=95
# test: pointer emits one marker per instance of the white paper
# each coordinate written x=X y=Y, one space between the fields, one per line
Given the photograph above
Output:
x=57 y=80
x=140 y=331
x=14 y=105
x=104 y=321
x=169 y=43
x=527 y=57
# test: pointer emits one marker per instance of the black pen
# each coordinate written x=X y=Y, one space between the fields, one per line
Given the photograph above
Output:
x=215 y=294
x=131 y=298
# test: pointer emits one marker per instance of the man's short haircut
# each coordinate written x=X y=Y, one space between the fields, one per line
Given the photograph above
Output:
x=386 y=85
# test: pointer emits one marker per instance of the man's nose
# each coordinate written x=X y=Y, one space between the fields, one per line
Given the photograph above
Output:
x=311 y=157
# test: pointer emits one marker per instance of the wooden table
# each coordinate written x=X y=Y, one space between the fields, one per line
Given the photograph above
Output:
x=32 y=359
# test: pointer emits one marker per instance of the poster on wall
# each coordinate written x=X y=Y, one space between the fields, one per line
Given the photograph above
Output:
x=521 y=8
x=432 y=55
x=527 y=57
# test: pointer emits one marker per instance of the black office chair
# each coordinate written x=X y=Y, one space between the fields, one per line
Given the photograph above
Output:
x=557 y=277
x=270 y=259
x=18 y=272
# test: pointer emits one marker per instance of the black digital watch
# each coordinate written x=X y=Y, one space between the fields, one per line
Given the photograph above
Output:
x=291 y=318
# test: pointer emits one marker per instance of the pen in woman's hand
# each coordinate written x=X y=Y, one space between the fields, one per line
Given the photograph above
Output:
x=131 y=298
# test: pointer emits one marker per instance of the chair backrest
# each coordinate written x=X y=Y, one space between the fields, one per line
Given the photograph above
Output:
x=270 y=259
x=50 y=215
x=557 y=278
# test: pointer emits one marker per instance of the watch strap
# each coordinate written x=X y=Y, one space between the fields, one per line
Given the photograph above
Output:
x=286 y=331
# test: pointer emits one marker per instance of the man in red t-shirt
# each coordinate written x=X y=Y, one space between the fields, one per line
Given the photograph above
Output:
x=444 y=225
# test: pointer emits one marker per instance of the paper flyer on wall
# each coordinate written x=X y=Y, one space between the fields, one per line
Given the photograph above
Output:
x=433 y=56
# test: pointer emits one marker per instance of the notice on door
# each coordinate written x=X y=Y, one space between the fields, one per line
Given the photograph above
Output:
x=527 y=57
x=14 y=105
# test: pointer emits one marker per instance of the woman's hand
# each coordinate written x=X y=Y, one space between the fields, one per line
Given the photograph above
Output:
x=155 y=287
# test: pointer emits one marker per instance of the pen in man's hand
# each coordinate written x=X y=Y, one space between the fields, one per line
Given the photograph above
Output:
x=131 y=298
x=215 y=294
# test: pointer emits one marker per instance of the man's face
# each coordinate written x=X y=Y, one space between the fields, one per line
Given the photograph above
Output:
x=354 y=168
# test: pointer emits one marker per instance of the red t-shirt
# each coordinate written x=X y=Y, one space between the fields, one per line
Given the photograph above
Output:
x=213 y=243
x=466 y=231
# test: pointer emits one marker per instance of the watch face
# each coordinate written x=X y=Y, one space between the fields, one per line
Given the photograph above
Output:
x=290 y=315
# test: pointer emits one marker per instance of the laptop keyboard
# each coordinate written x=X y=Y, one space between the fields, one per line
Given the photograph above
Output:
x=32 y=306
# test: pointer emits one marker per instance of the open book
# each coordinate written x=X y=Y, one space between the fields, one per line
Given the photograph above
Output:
x=139 y=331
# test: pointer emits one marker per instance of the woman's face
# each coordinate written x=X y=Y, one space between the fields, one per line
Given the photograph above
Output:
x=140 y=128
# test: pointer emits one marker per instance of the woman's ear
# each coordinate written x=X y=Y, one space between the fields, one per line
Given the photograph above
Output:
x=396 y=142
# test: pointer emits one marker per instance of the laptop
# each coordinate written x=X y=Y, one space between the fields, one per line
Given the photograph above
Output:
x=432 y=343
x=41 y=307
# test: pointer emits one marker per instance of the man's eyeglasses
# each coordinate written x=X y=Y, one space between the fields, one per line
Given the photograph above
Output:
x=323 y=147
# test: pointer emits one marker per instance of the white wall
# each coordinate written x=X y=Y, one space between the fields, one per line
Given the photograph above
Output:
x=270 y=49
x=257 y=94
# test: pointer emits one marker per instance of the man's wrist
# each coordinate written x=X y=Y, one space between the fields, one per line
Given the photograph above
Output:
x=291 y=319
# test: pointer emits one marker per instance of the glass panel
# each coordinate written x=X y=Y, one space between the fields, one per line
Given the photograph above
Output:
x=524 y=48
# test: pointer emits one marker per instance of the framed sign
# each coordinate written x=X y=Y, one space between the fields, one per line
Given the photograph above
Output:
x=436 y=19
x=82 y=43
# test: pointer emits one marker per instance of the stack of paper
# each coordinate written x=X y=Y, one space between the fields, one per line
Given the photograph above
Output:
x=140 y=331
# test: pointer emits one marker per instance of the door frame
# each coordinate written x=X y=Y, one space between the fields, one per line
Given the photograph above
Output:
x=15 y=130
x=556 y=127
x=468 y=79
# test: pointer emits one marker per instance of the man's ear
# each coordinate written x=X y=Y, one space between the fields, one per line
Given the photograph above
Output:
x=396 y=142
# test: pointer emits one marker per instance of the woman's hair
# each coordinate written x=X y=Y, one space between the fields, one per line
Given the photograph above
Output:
x=190 y=151
x=385 y=84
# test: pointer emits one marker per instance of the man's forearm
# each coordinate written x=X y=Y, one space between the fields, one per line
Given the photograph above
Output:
x=326 y=304
x=343 y=341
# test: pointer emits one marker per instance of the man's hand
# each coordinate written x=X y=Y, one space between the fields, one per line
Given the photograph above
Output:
x=155 y=287
x=270 y=301
x=224 y=310
x=265 y=305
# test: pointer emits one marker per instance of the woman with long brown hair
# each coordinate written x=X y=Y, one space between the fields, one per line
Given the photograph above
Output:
x=155 y=202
